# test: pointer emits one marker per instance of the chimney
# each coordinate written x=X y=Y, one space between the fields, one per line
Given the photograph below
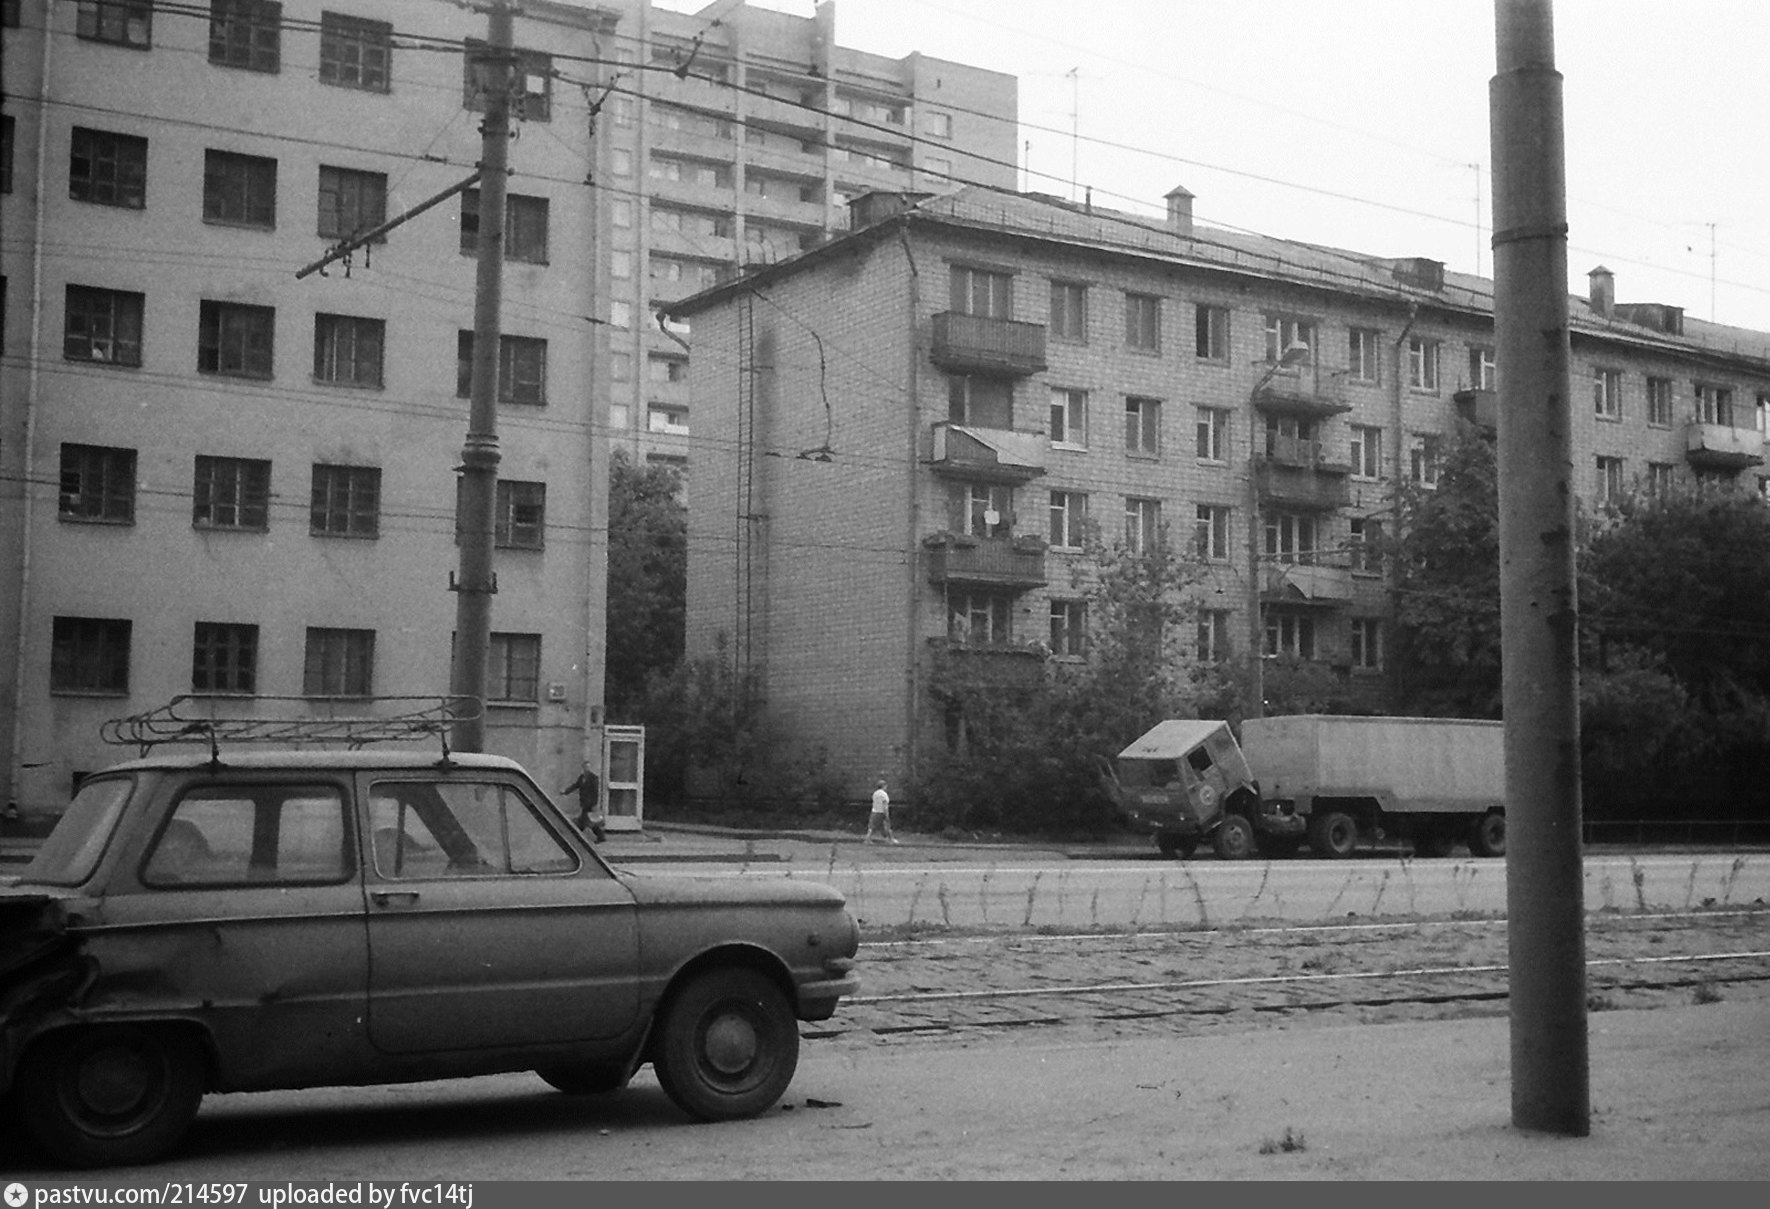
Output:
x=1180 y=211
x=1602 y=295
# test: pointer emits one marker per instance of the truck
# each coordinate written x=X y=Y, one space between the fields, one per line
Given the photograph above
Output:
x=1336 y=781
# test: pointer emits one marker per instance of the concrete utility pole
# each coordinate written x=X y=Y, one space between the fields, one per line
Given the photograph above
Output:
x=476 y=582
x=1539 y=611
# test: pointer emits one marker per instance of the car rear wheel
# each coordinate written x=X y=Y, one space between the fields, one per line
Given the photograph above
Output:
x=1488 y=836
x=584 y=1078
x=728 y=1045
x=1234 y=838
x=108 y=1096
x=1334 y=834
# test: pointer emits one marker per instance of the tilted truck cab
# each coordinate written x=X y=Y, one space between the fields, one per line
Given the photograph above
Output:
x=1185 y=781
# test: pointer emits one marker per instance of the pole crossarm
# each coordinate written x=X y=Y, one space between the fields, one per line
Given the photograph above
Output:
x=343 y=248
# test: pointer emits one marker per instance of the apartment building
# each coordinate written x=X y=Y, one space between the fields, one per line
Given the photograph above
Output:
x=223 y=479
x=910 y=428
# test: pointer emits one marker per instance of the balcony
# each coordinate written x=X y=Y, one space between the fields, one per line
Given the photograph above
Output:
x=1305 y=583
x=997 y=665
x=988 y=562
x=1722 y=447
x=977 y=344
x=991 y=455
x=1480 y=408
x=1308 y=394
x=1317 y=487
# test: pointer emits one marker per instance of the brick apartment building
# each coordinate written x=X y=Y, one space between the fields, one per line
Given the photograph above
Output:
x=906 y=429
x=219 y=479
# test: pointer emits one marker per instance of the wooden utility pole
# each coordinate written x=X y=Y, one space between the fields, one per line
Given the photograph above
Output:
x=476 y=582
x=1539 y=611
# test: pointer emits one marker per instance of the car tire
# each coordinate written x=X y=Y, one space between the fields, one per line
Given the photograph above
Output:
x=1177 y=847
x=727 y=1045
x=585 y=1078
x=1488 y=835
x=1234 y=838
x=1334 y=834
x=109 y=1096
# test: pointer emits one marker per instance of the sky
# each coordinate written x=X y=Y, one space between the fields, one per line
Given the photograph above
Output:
x=1363 y=124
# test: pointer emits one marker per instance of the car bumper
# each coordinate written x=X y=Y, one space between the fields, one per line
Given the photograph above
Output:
x=817 y=1000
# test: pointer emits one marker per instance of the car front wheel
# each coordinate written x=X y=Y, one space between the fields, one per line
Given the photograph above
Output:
x=109 y=1096
x=728 y=1045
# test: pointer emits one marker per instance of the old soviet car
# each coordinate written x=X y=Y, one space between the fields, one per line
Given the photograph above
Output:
x=231 y=922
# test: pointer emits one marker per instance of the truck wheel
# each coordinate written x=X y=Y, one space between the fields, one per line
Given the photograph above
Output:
x=1234 y=838
x=1178 y=847
x=109 y=1096
x=1333 y=834
x=728 y=1045
x=1488 y=836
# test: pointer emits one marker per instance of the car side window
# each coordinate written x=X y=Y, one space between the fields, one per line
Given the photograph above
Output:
x=457 y=828
x=225 y=835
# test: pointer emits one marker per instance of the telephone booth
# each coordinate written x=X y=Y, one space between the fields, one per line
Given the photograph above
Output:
x=623 y=777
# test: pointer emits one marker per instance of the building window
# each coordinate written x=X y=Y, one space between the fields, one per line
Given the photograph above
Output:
x=521 y=516
x=533 y=94
x=1211 y=541
x=1367 y=644
x=1482 y=372
x=1213 y=635
x=246 y=33
x=938 y=125
x=620 y=315
x=224 y=658
x=1422 y=364
x=982 y=292
x=979 y=619
x=108 y=169
x=522 y=369
x=1607 y=394
x=1764 y=412
x=1284 y=333
x=1422 y=460
x=97 y=484
x=355 y=53
x=1659 y=478
x=1290 y=537
x=1659 y=402
x=1289 y=634
x=1069 y=628
x=1367 y=451
x=1143 y=427
x=338 y=663
x=347 y=350
x=346 y=501
x=1069 y=311
x=1211 y=332
x=1364 y=364
x=1213 y=434
x=231 y=493
x=666 y=369
x=235 y=339
x=980 y=402
x=665 y=418
x=620 y=161
x=89 y=655
x=1143 y=519
x=981 y=509
x=102 y=326
x=1069 y=516
x=1609 y=480
x=1364 y=545
x=351 y=202
x=513 y=668
x=239 y=189
x=1069 y=417
x=525 y=227
x=1714 y=405
x=119 y=22
x=1143 y=323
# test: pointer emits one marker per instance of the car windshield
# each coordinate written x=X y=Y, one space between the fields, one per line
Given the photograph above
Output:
x=71 y=852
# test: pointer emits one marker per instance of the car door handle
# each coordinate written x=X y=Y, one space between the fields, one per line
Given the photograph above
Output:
x=388 y=898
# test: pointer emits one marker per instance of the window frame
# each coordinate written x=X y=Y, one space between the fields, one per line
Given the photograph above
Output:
x=530 y=64
x=1143 y=427
x=104 y=484
x=1425 y=455
x=1662 y=401
x=224 y=659
x=1284 y=330
x=338 y=662
x=342 y=497
x=236 y=339
x=1143 y=523
x=1069 y=628
x=1213 y=643
x=524 y=213
x=1607 y=394
x=1608 y=481
x=364 y=39
x=239 y=190
x=1210 y=332
x=1143 y=323
x=1069 y=408
x=126 y=155
x=1484 y=372
x=1423 y=354
x=115 y=23
x=981 y=291
x=505 y=672
x=1298 y=643
x=1068 y=518
x=509 y=348
x=1365 y=644
x=513 y=497
x=360 y=366
x=1069 y=311
x=246 y=35
x=122 y=313
x=1365 y=451
x=1213 y=433
x=1364 y=355
x=90 y=656
x=345 y=194
x=1211 y=532
x=233 y=487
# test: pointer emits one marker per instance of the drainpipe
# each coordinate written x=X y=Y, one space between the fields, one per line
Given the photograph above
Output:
x=33 y=389
x=912 y=710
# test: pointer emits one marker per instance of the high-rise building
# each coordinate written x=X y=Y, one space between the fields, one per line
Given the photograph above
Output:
x=224 y=480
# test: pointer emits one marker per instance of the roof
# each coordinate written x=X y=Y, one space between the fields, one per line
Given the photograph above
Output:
x=1398 y=281
x=317 y=759
x=1172 y=739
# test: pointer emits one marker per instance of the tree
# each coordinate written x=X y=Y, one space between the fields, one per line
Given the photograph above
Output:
x=647 y=580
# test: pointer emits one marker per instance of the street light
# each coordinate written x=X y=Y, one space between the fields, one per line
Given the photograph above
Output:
x=1295 y=354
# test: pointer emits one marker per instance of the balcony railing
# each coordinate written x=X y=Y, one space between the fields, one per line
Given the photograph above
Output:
x=1302 y=455
x=1319 y=487
x=989 y=454
x=969 y=343
x=998 y=562
x=1003 y=665
x=1310 y=393
x=1304 y=582
x=1723 y=447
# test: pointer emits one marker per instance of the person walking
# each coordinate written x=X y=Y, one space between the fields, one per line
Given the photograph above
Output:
x=879 y=821
x=588 y=787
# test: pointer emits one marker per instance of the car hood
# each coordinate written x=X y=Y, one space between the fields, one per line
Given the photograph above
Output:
x=653 y=889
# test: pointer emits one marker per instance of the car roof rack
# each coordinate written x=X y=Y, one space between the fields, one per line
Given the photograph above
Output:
x=194 y=719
